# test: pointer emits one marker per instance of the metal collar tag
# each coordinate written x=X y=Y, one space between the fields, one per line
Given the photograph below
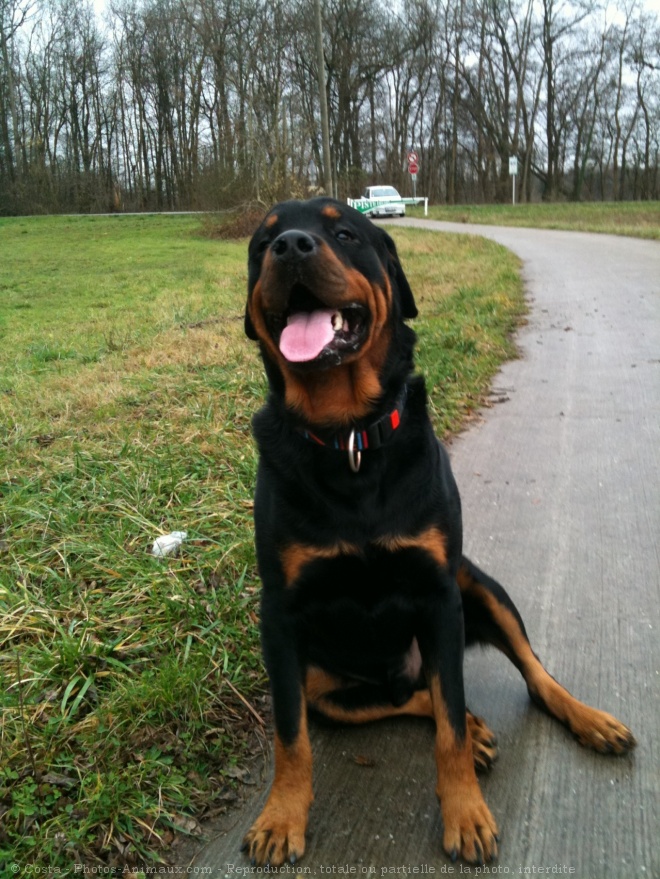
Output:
x=354 y=456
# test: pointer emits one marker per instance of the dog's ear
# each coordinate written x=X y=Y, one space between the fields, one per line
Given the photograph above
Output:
x=399 y=280
x=250 y=331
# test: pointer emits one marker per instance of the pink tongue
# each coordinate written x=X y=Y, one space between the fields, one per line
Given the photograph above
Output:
x=306 y=334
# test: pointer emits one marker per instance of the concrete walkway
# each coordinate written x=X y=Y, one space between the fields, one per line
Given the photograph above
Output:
x=562 y=504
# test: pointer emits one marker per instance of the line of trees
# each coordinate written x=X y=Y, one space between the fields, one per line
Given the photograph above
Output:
x=199 y=104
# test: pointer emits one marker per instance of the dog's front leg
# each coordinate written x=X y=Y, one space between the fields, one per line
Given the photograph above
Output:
x=278 y=834
x=470 y=830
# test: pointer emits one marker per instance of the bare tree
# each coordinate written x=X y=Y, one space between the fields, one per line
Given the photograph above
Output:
x=203 y=103
x=13 y=16
x=645 y=60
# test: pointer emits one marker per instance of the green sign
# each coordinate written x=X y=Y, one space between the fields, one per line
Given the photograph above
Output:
x=363 y=205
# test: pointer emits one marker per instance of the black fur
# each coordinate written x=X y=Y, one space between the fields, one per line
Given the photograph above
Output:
x=362 y=571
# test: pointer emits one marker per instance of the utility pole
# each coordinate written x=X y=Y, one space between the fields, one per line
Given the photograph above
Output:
x=323 y=99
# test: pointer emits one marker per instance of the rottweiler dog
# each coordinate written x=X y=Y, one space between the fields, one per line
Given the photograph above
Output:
x=367 y=601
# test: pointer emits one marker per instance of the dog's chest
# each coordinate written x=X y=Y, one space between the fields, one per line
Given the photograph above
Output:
x=351 y=602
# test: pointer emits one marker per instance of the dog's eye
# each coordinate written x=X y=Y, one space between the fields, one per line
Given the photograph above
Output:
x=344 y=235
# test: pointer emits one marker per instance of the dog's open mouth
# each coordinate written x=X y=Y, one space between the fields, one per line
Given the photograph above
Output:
x=311 y=332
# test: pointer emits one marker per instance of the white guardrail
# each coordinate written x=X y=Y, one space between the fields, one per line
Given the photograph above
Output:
x=365 y=205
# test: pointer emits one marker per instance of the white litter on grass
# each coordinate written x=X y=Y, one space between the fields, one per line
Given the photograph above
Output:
x=168 y=544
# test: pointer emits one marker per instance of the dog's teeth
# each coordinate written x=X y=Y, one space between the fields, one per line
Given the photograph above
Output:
x=337 y=321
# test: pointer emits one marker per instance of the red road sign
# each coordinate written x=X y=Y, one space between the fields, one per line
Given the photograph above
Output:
x=413 y=167
x=413 y=158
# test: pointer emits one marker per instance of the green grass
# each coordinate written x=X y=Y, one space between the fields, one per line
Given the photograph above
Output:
x=637 y=219
x=469 y=295
x=126 y=391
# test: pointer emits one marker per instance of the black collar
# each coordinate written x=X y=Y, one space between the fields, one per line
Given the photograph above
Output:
x=372 y=437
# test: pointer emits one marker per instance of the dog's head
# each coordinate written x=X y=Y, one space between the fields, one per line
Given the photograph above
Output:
x=326 y=300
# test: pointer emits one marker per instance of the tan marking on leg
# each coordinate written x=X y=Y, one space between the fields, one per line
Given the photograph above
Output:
x=592 y=728
x=469 y=828
x=278 y=834
x=464 y=579
x=320 y=684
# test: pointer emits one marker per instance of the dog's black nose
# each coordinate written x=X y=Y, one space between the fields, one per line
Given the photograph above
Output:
x=293 y=245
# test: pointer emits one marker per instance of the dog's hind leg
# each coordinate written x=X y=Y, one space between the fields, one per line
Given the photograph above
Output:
x=353 y=702
x=348 y=702
x=492 y=618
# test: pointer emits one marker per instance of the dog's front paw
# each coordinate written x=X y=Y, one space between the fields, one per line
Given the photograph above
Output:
x=278 y=835
x=470 y=829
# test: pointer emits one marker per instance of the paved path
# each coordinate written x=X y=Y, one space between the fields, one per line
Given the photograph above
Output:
x=561 y=503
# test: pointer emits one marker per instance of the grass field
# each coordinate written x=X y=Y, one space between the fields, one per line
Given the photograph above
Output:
x=126 y=390
x=639 y=219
